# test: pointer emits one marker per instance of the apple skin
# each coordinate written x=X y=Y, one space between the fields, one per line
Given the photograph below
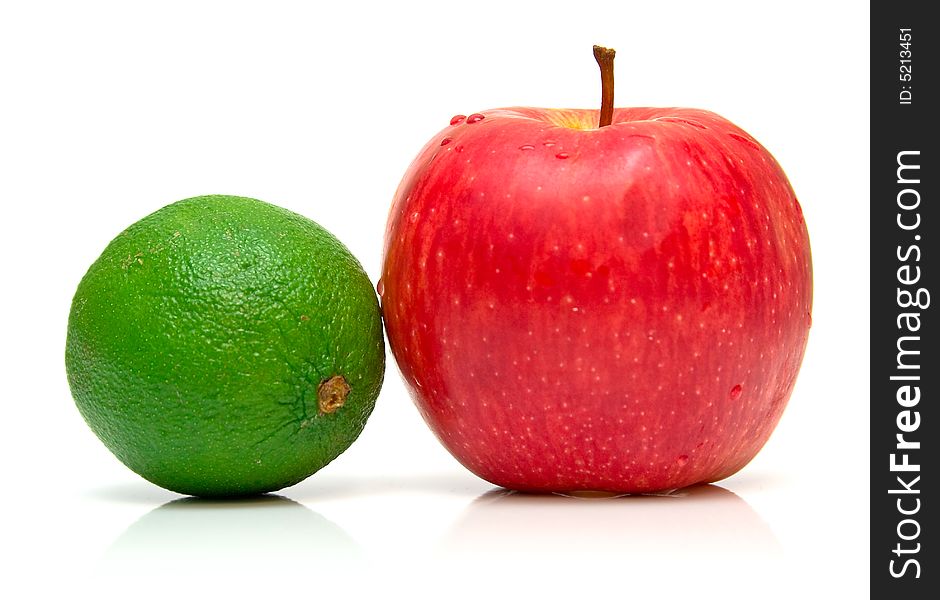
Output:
x=622 y=308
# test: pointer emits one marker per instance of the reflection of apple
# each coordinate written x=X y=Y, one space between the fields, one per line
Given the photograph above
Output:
x=702 y=520
x=621 y=307
x=704 y=542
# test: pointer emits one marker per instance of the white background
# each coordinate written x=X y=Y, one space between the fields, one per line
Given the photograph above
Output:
x=110 y=110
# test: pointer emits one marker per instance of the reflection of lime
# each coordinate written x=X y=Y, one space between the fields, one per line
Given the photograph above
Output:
x=193 y=531
x=224 y=346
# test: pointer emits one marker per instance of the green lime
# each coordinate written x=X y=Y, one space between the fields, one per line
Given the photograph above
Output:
x=223 y=346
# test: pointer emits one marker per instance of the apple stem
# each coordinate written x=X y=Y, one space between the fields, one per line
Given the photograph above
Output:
x=605 y=60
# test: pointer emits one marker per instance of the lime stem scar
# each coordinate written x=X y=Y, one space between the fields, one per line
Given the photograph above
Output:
x=331 y=394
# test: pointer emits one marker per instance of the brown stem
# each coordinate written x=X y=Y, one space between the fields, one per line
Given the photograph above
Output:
x=605 y=60
x=331 y=394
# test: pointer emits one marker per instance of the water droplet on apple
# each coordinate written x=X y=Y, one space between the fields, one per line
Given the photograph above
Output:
x=446 y=141
x=475 y=118
x=745 y=140
x=562 y=155
x=548 y=143
x=527 y=147
x=695 y=124
x=736 y=392
x=458 y=148
x=380 y=288
x=457 y=119
x=682 y=460
x=414 y=217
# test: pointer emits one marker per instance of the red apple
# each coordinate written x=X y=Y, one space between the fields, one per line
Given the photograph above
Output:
x=579 y=307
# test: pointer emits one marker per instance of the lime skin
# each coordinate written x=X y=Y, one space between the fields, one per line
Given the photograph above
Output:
x=223 y=346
